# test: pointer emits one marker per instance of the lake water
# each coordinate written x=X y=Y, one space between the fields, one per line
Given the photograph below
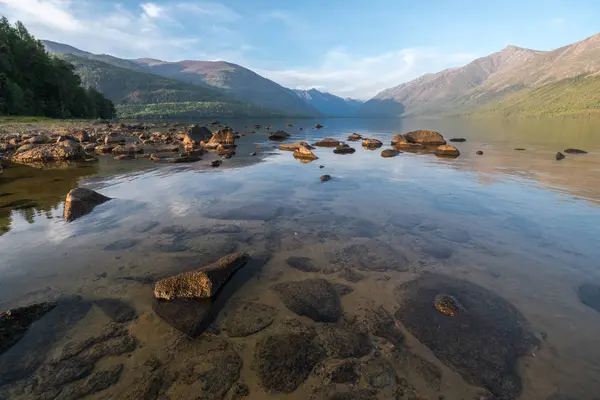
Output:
x=517 y=223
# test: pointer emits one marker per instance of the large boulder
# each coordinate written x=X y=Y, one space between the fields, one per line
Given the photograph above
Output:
x=304 y=153
x=82 y=136
x=425 y=137
x=201 y=283
x=44 y=153
x=313 y=298
x=469 y=328
x=195 y=135
x=81 y=201
x=401 y=142
x=327 y=142
x=222 y=136
x=39 y=139
x=279 y=135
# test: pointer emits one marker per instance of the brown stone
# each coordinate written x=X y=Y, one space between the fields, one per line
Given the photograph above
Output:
x=294 y=146
x=204 y=282
x=305 y=154
x=425 y=137
x=327 y=142
x=62 y=151
x=560 y=156
x=355 y=137
x=128 y=149
x=195 y=135
x=447 y=151
x=114 y=138
x=279 y=135
x=81 y=201
x=371 y=143
x=343 y=148
x=387 y=153
x=222 y=136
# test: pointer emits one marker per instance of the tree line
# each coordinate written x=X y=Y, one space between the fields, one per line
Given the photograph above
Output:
x=32 y=82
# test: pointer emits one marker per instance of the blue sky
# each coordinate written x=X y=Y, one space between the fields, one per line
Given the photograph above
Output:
x=347 y=47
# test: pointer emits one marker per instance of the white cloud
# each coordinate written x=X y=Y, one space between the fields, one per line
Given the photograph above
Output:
x=152 y=10
x=350 y=75
x=215 y=11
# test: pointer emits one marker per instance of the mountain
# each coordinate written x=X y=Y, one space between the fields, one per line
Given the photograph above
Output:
x=514 y=81
x=139 y=94
x=329 y=104
x=434 y=93
x=241 y=83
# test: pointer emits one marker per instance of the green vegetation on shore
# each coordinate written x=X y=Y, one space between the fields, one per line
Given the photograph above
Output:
x=34 y=83
x=573 y=97
x=190 y=109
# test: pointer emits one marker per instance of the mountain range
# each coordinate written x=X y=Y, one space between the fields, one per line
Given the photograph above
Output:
x=513 y=81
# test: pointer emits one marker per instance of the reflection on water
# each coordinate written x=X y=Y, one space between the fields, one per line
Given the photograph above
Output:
x=517 y=231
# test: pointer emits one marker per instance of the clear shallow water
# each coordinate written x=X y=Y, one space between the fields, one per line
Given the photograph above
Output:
x=517 y=223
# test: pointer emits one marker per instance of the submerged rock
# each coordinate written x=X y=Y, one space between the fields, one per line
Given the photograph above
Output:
x=313 y=298
x=184 y=159
x=327 y=142
x=304 y=153
x=482 y=341
x=381 y=323
x=318 y=126
x=343 y=148
x=216 y=163
x=370 y=255
x=15 y=323
x=325 y=178
x=284 y=361
x=279 y=135
x=81 y=201
x=204 y=282
x=575 y=151
x=388 y=153
x=560 y=156
x=340 y=341
x=589 y=294
x=430 y=138
x=447 y=151
x=302 y=263
x=248 y=318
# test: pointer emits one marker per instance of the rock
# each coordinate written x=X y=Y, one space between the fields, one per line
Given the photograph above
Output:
x=430 y=138
x=122 y=244
x=341 y=341
x=63 y=151
x=253 y=153
x=95 y=383
x=204 y=282
x=519 y=149
x=81 y=201
x=325 y=178
x=342 y=289
x=216 y=163
x=294 y=146
x=304 y=153
x=370 y=255
x=575 y=151
x=15 y=323
x=168 y=148
x=379 y=373
x=39 y=139
x=313 y=298
x=437 y=251
x=479 y=152
x=327 y=142
x=117 y=310
x=560 y=156
x=371 y=143
x=381 y=323
x=64 y=138
x=410 y=362
x=154 y=157
x=387 y=153
x=89 y=148
x=284 y=361
x=184 y=159
x=247 y=318
x=279 y=135
x=458 y=140
x=302 y=263
x=318 y=126
x=125 y=157
x=447 y=151
x=344 y=371
x=104 y=149
x=351 y=275
x=482 y=341
x=355 y=137
x=589 y=294
x=114 y=138
x=239 y=391
x=343 y=148
x=222 y=136
x=321 y=166
x=195 y=135
x=128 y=149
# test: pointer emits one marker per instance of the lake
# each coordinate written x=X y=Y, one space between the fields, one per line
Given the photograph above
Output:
x=508 y=241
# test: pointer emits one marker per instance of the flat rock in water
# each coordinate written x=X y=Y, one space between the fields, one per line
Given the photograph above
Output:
x=284 y=361
x=340 y=341
x=117 y=310
x=302 y=263
x=379 y=373
x=122 y=244
x=388 y=153
x=248 y=318
x=458 y=140
x=351 y=275
x=81 y=201
x=482 y=341
x=381 y=323
x=189 y=316
x=252 y=212
x=204 y=282
x=327 y=142
x=447 y=151
x=589 y=294
x=575 y=151
x=15 y=323
x=313 y=298
x=370 y=255
x=425 y=137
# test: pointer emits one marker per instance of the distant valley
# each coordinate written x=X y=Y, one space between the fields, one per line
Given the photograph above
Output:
x=512 y=82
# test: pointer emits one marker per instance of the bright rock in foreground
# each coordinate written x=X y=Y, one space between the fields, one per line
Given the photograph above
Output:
x=201 y=283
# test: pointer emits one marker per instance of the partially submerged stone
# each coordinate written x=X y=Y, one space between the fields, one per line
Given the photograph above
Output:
x=202 y=283
x=388 y=153
x=195 y=135
x=222 y=136
x=355 y=137
x=81 y=201
x=114 y=138
x=447 y=151
x=458 y=140
x=304 y=153
x=371 y=143
x=575 y=151
x=128 y=149
x=294 y=146
x=15 y=323
x=47 y=153
x=426 y=137
x=279 y=135
x=327 y=142
x=560 y=156
x=483 y=341
x=343 y=148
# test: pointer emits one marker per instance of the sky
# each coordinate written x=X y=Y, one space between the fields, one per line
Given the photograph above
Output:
x=351 y=48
